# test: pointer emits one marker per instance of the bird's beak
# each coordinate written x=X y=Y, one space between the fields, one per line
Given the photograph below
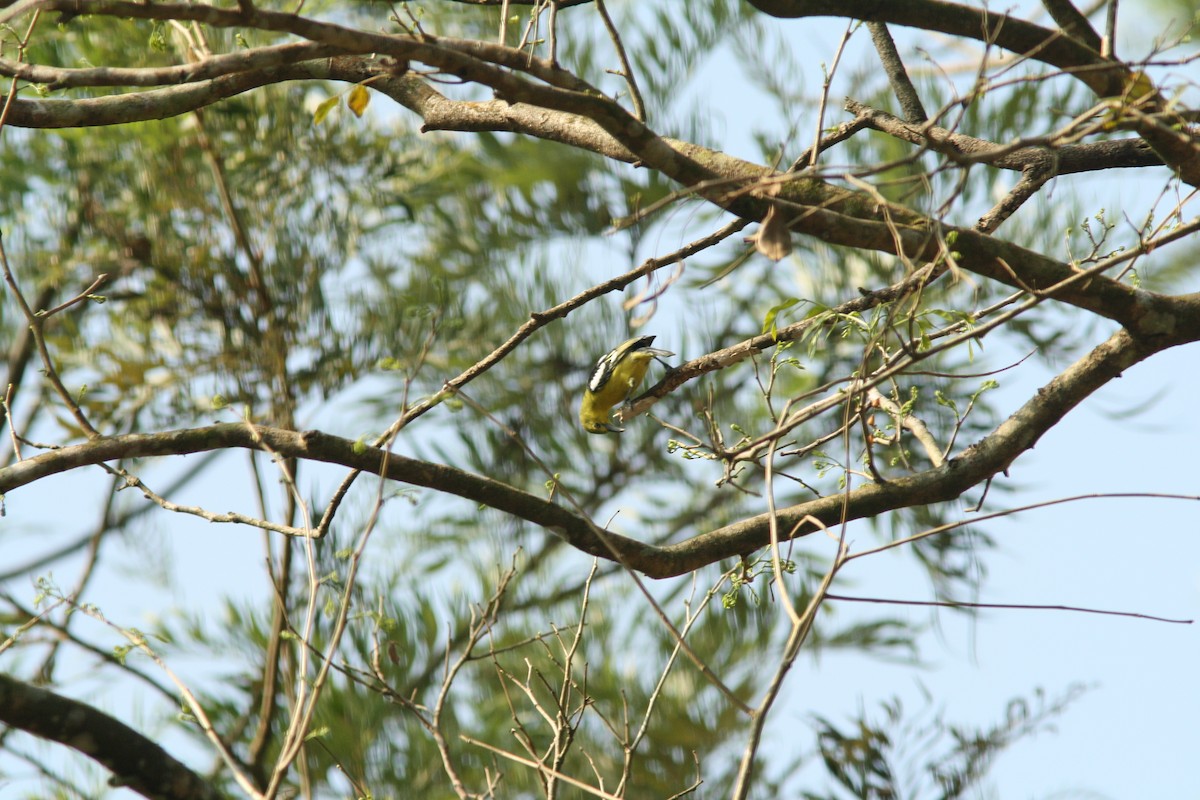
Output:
x=613 y=428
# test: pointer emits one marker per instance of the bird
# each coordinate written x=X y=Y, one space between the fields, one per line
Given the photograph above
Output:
x=616 y=377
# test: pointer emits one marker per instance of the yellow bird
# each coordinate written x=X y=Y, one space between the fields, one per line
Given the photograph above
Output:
x=616 y=377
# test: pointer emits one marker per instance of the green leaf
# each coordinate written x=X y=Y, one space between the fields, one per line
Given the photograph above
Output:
x=158 y=38
x=323 y=110
x=773 y=313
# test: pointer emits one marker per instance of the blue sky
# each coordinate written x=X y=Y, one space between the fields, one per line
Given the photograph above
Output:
x=1127 y=736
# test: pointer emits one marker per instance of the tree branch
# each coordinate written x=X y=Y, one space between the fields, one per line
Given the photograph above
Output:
x=1062 y=159
x=1107 y=78
x=1073 y=23
x=902 y=85
x=136 y=762
x=217 y=66
x=832 y=214
x=991 y=455
x=980 y=24
x=829 y=213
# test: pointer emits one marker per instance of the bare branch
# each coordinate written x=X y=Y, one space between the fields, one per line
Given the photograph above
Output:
x=213 y=67
x=902 y=86
x=990 y=456
x=635 y=94
x=230 y=516
x=36 y=323
x=137 y=762
x=1073 y=23
x=1098 y=71
x=1042 y=153
x=1013 y=606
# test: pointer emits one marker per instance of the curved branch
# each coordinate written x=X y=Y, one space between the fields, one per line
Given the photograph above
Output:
x=1002 y=30
x=318 y=446
x=991 y=455
x=155 y=104
x=835 y=215
x=1105 y=77
x=476 y=62
x=816 y=208
x=213 y=67
x=832 y=214
x=482 y=62
x=136 y=762
x=1073 y=22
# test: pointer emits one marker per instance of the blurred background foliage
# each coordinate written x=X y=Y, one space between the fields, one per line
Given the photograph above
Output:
x=338 y=271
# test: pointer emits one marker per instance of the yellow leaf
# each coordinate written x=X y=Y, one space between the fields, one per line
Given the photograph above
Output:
x=358 y=99
x=1138 y=86
x=323 y=110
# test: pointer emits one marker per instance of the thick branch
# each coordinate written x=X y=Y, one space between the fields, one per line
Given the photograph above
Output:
x=902 y=85
x=1105 y=77
x=472 y=61
x=997 y=259
x=135 y=761
x=981 y=24
x=990 y=456
x=317 y=446
x=161 y=103
x=212 y=67
x=978 y=463
x=478 y=62
x=830 y=213
x=1073 y=22
x=834 y=215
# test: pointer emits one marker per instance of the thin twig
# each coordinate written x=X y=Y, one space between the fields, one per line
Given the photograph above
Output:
x=22 y=45
x=12 y=428
x=600 y=533
x=35 y=324
x=891 y=601
x=104 y=655
x=135 y=482
x=796 y=638
x=776 y=561
x=536 y=321
x=815 y=150
x=949 y=526
x=31 y=622
x=194 y=707
x=592 y=790
x=1108 y=45
x=630 y=744
x=434 y=723
x=86 y=294
x=635 y=94
x=909 y=422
